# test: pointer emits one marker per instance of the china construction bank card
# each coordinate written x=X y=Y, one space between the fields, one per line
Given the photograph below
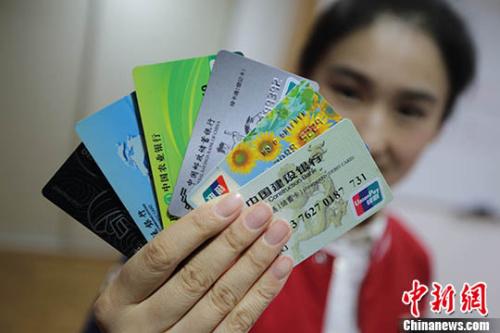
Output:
x=240 y=92
x=323 y=190
x=169 y=96
x=297 y=119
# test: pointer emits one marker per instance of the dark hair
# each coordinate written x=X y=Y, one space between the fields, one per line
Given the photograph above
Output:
x=434 y=17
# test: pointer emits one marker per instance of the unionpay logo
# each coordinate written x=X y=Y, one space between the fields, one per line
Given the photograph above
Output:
x=367 y=198
x=217 y=188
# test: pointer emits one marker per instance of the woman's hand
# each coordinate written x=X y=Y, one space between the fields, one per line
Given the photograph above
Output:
x=174 y=284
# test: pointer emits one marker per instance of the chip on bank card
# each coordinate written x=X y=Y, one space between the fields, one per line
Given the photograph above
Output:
x=297 y=119
x=81 y=190
x=115 y=141
x=323 y=190
x=169 y=96
x=240 y=92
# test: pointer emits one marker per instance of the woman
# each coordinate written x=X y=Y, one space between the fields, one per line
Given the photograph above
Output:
x=395 y=68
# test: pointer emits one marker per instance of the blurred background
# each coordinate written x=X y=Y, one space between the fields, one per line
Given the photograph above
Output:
x=63 y=60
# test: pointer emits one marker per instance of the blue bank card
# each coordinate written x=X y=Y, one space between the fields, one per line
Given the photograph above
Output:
x=115 y=141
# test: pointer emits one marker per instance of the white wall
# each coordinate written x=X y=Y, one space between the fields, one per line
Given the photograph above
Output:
x=263 y=29
x=60 y=61
x=41 y=52
x=131 y=33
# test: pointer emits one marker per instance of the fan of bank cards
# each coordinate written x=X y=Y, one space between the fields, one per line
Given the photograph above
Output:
x=197 y=128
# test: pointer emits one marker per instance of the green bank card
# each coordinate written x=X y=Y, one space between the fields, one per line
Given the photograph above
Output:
x=169 y=96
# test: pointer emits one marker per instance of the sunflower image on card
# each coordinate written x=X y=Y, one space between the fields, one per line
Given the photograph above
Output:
x=299 y=118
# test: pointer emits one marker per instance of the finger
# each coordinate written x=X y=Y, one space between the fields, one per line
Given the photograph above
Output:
x=233 y=285
x=149 y=268
x=249 y=309
x=192 y=281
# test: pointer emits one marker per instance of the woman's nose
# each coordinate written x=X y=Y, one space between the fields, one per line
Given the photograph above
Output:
x=375 y=131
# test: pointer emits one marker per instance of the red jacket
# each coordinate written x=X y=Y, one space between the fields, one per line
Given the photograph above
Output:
x=396 y=259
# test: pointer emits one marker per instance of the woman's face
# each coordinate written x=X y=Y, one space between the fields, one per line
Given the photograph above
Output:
x=390 y=80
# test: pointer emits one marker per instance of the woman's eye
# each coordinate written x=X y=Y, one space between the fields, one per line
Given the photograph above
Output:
x=411 y=111
x=346 y=92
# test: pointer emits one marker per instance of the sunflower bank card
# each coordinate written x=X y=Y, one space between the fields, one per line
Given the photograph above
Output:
x=240 y=92
x=323 y=190
x=297 y=119
x=169 y=96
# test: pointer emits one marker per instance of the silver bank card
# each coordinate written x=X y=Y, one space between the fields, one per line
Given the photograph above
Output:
x=240 y=92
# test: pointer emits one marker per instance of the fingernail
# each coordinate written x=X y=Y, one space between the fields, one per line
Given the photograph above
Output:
x=282 y=267
x=278 y=231
x=228 y=205
x=258 y=216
